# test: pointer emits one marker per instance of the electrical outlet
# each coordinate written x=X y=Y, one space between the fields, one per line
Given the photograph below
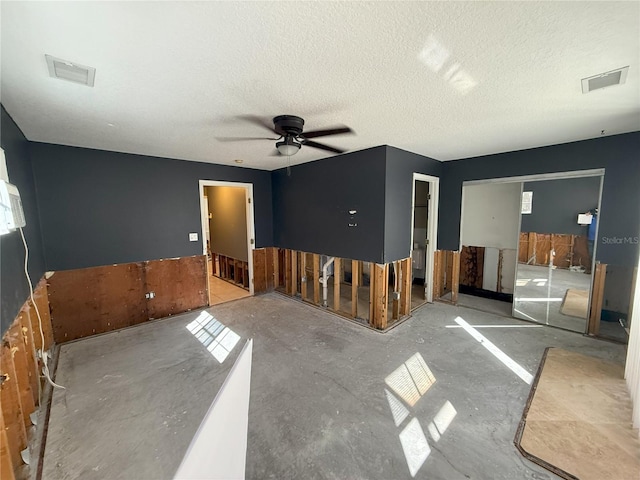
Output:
x=193 y=237
x=150 y=295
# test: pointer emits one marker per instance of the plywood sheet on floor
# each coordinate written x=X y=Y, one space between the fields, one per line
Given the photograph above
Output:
x=579 y=419
x=575 y=303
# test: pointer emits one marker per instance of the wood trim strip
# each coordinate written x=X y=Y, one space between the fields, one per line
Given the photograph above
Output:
x=597 y=295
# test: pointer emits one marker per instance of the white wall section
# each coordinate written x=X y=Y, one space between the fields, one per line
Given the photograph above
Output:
x=490 y=215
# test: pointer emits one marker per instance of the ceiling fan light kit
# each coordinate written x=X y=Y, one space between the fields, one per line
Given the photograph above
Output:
x=288 y=146
x=291 y=135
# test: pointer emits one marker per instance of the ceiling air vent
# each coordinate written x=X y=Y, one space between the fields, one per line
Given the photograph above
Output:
x=603 y=80
x=66 y=70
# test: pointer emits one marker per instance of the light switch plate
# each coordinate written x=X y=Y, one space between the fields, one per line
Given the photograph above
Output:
x=193 y=237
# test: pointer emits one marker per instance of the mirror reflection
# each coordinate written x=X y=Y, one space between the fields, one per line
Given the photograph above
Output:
x=559 y=222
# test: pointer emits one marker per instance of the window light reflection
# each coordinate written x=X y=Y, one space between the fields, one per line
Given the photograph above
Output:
x=215 y=336
x=411 y=380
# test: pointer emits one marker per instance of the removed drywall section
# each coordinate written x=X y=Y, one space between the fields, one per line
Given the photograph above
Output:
x=491 y=214
x=15 y=290
x=100 y=207
x=399 y=169
x=557 y=203
x=334 y=206
x=228 y=221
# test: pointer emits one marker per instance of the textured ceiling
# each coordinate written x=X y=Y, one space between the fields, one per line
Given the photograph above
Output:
x=444 y=79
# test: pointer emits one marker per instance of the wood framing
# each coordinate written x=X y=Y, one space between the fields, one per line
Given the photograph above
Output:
x=17 y=347
x=304 y=280
x=379 y=295
x=294 y=273
x=405 y=286
x=597 y=294
x=274 y=280
x=6 y=462
x=438 y=274
x=20 y=379
x=355 y=275
x=455 y=276
x=30 y=354
x=316 y=278
x=372 y=281
x=12 y=406
x=287 y=272
x=337 y=263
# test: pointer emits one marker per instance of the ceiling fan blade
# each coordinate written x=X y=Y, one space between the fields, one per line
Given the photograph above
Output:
x=329 y=131
x=309 y=143
x=261 y=122
x=241 y=139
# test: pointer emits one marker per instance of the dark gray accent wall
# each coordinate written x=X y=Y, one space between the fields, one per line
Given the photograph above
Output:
x=620 y=209
x=14 y=289
x=399 y=170
x=99 y=207
x=228 y=222
x=311 y=206
x=557 y=203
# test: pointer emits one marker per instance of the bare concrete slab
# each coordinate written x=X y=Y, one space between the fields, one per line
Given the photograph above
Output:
x=320 y=396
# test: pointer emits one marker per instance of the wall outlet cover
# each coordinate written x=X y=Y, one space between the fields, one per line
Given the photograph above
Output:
x=193 y=237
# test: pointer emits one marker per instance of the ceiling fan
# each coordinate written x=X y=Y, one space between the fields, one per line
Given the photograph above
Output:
x=291 y=135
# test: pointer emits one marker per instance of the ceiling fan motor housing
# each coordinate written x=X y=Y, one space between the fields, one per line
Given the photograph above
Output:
x=288 y=125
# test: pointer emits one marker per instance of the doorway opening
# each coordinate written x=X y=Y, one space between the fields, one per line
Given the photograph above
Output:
x=424 y=222
x=228 y=239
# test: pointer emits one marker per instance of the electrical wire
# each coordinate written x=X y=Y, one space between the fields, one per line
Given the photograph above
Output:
x=45 y=366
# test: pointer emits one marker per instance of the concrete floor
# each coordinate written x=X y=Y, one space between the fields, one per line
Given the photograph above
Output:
x=318 y=407
x=532 y=283
x=561 y=280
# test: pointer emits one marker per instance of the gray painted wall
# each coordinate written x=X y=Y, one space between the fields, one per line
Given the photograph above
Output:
x=14 y=289
x=620 y=209
x=100 y=207
x=399 y=169
x=311 y=206
x=557 y=203
x=228 y=223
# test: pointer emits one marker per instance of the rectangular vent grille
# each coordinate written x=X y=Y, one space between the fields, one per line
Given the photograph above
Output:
x=73 y=72
x=603 y=80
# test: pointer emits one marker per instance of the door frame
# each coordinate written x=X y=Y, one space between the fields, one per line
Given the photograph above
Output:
x=432 y=226
x=249 y=203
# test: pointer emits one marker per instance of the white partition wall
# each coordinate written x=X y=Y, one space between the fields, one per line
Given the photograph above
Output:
x=632 y=369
